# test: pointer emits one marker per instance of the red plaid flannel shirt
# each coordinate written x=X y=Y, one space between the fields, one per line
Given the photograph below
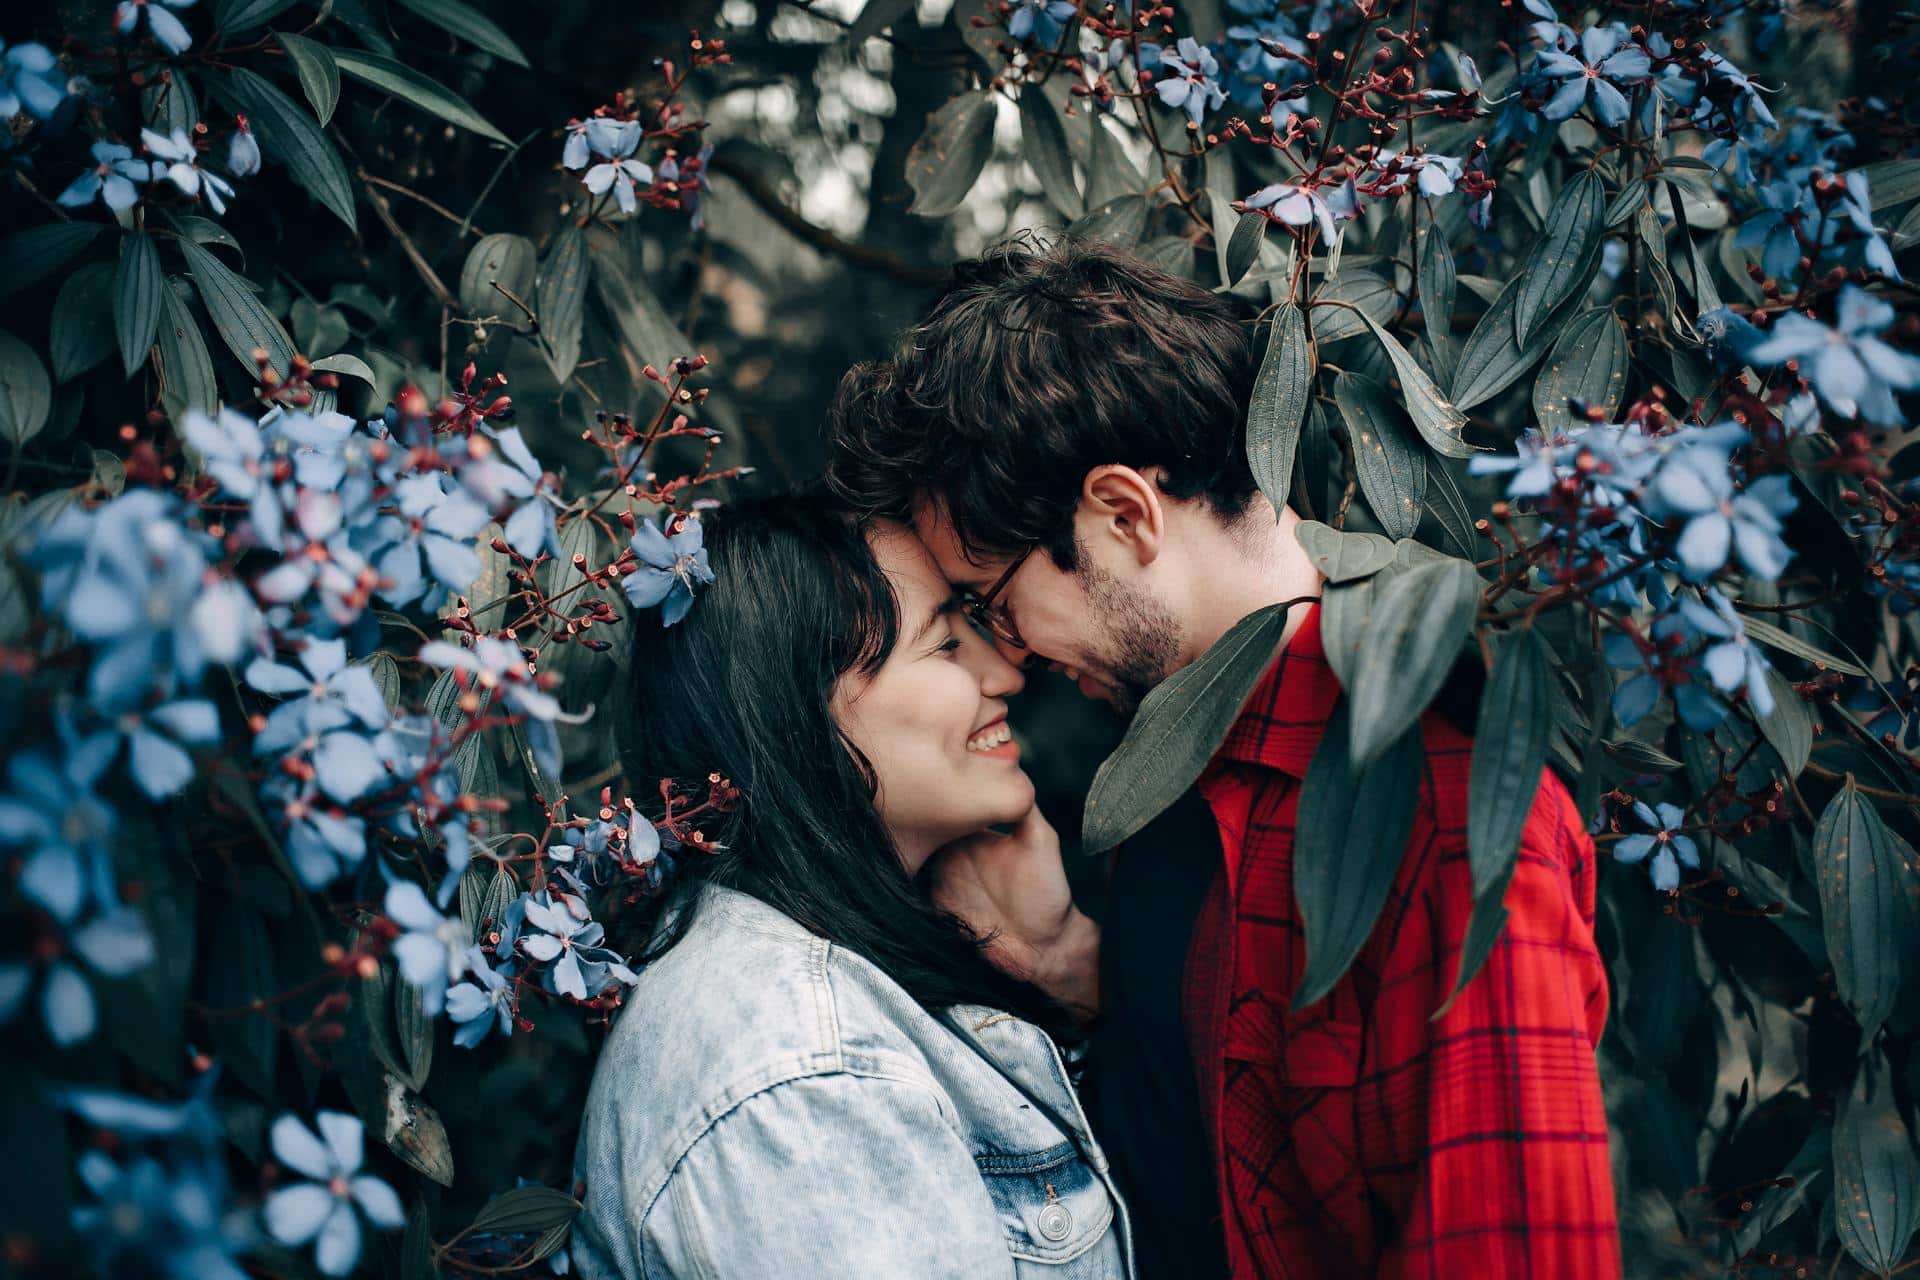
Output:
x=1358 y=1137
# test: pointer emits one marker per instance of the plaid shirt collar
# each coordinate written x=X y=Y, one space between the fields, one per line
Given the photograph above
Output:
x=1287 y=712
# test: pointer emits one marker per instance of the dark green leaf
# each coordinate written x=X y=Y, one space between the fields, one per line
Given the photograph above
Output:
x=942 y=165
x=1438 y=422
x=1244 y=246
x=416 y=1246
x=1860 y=866
x=504 y=259
x=1318 y=482
x=319 y=73
x=1177 y=729
x=1492 y=361
x=27 y=257
x=562 y=288
x=26 y=394
x=1627 y=203
x=1122 y=221
x=1789 y=727
x=81 y=335
x=1450 y=509
x=1366 y=295
x=1343 y=557
x=876 y=17
x=1044 y=142
x=1351 y=835
x=1484 y=925
x=186 y=370
x=1437 y=289
x=414 y=1131
x=525 y=1209
x=1419 y=621
x=1391 y=469
x=240 y=969
x=1773 y=637
x=1560 y=263
x=350 y=366
x=415 y=1029
x=1346 y=619
x=1110 y=174
x=1510 y=744
x=137 y=287
x=643 y=323
x=408 y=85
x=1588 y=363
x=290 y=137
x=1892 y=182
x=375 y=1002
x=469 y=24
x=206 y=231
x=1279 y=403
x=1876 y=1180
x=1706 y=295
x=236 y=16
x=238 y=316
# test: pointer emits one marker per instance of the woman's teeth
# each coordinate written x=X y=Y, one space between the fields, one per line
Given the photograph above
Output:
x=990 y=737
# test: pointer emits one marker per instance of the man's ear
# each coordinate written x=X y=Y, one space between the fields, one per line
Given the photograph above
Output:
x=1124 y=505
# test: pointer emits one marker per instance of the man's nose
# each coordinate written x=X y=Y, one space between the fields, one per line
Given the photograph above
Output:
x=1017 y=655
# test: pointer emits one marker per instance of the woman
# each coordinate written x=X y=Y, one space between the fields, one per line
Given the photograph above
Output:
x=819 y=1072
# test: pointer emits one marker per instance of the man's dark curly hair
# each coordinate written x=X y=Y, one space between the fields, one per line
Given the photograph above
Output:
x=1034 y=366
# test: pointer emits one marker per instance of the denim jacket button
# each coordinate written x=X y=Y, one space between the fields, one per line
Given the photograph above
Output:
x=1056 y=1224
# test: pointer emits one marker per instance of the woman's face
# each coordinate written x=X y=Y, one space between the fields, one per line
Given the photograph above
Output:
x=933 y=720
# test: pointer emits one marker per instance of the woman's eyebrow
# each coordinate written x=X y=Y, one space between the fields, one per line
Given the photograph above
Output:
x=926 y=623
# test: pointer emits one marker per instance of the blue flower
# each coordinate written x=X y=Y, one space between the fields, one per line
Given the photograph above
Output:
x=243 y=151
x=30 y=78
x=670 y=567
x=1771 y=228
x=1854 y=371
x=1605 y=64
x=1735 y=662
x=323 y=840
x=429 y=541
x=414 y=747
x=689 y=181
x=1729 y=337
x=148 y=1219
x=1664 y=663
x=498 y=665
x=433 y=949
x=179 y=163
x=115 y=944
x=1040 y=20
x=570 y=940
x=51 y=812
x=166 y=28
x=622 y=176
x=112 y=178
x=335 y=694
x=506 y=473
x=477 y=1007
x=1187 y=80
x=1674 y=848
x=1295 y=206
x=1695 y=485
x=159 y=761
x=323 y=1209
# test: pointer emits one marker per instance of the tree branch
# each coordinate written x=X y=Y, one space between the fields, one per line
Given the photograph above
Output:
x=865 y=257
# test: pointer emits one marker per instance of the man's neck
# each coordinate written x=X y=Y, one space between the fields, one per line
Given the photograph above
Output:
x=1254 y=562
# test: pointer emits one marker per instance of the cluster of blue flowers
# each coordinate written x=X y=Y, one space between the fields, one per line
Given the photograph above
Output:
x=604 y=147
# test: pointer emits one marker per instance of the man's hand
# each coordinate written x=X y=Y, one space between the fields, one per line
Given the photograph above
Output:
x=1013 y=889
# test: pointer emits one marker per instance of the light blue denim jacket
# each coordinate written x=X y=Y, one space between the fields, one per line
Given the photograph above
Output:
x=772 y=1105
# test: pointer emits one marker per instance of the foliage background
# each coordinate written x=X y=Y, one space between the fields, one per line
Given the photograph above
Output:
x=1731 y=1049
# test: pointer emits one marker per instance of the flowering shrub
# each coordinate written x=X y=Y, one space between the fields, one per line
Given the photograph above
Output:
x=1587 y=355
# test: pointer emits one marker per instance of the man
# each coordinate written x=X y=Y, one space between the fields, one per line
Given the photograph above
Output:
x=1064 y=431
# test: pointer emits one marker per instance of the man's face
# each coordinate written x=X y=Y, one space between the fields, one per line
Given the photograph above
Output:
x=1098 y=624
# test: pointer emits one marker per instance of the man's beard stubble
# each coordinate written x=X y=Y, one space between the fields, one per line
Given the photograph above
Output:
x=1140 y=646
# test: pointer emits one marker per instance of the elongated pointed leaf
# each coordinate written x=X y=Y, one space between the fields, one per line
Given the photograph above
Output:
x=290 y=137
x=1244 y=246
x=1122 y=221
x=186 y=370
x=26 y=394
x=1341 y=556
x=1437 y=290
x=1860 y=866
x=1392 y=471
x=1110 y=174
x=237 y=16
x=1484 y=925
x=1788 y=728
x=137 y=286
x=30 y=256
x=644 y=325
x=1561 y=261
x=1366 y=296
x=467 y=23
x=1785 y=641
x=1350 y=837
x=319 y=73
x=525 y=1209
x=1492 y=360
x=82 y=332
x=1892 y=182
x=1588 y=363
x=403 y=82
x=1434 y=416
x=1509 y=749
x=1876 y=1180
x=943 y=164
x=562 y=288
x=1279 y=404
x=1419 y=621
x=1043 y=140
x=238 y=315
x=1176 y=731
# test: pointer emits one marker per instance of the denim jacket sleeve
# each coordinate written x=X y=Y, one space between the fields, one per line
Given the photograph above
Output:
x=839 y=1174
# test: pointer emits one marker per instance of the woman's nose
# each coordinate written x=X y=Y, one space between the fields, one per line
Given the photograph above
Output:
x=999 y=675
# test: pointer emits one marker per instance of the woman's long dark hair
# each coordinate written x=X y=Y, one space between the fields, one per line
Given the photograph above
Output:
x=741 y=688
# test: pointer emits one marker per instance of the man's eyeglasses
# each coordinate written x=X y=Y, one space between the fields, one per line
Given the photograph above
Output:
x=983 y=612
